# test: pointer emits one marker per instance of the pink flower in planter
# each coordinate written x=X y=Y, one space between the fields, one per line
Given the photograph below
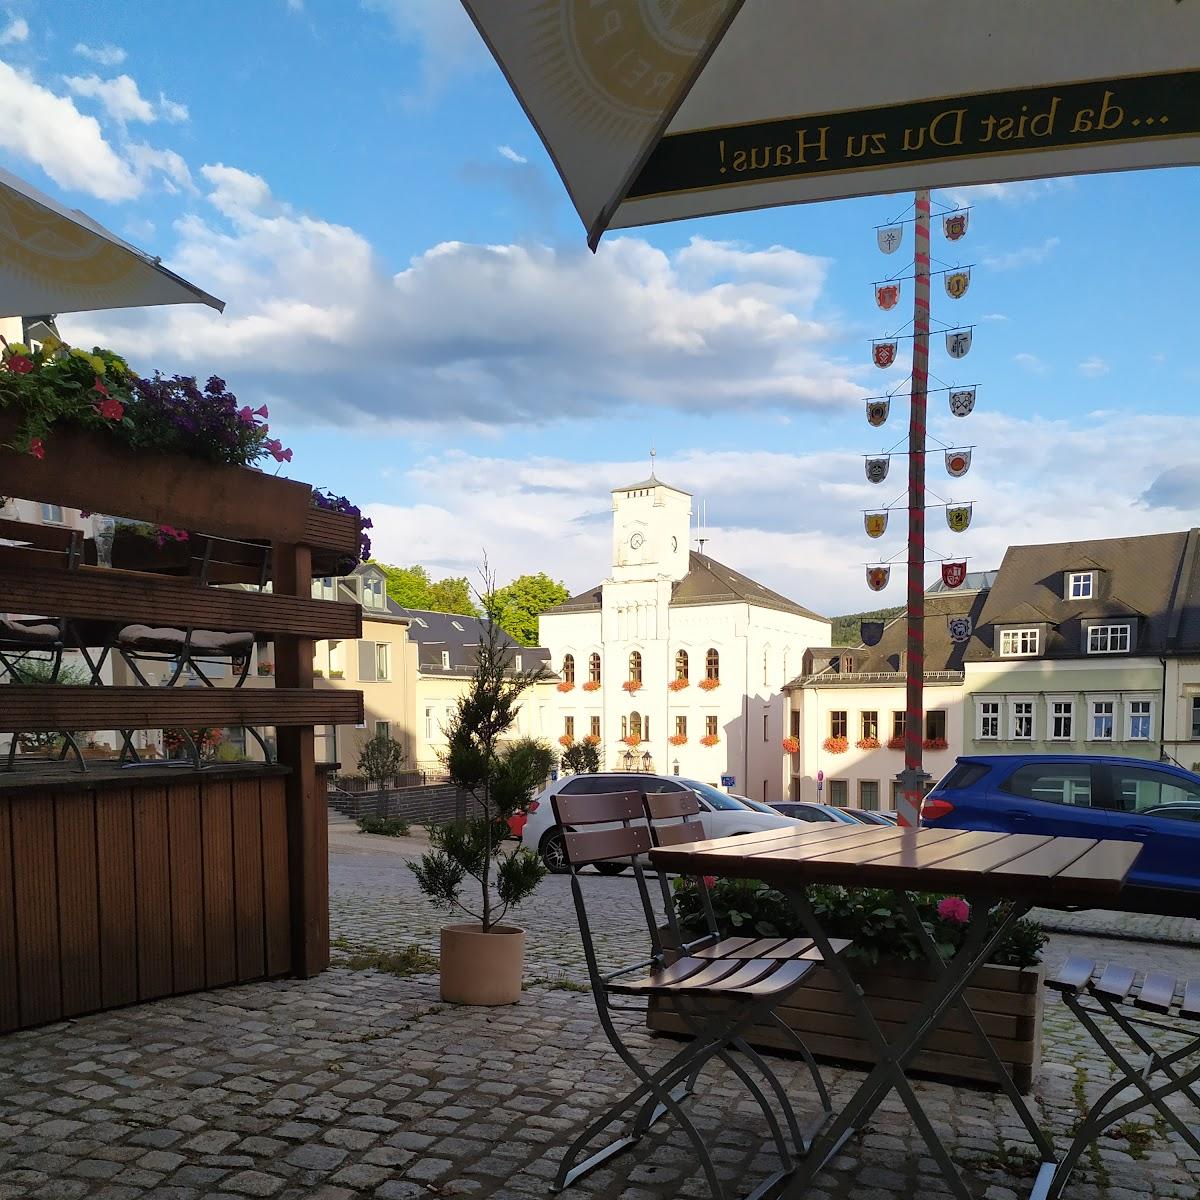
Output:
x=111 y=409
x=710 y=881
x=37 y=448
x=954 y=909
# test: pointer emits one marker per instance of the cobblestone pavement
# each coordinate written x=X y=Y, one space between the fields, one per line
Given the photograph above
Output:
x=363 y=1084
x=1138 y=927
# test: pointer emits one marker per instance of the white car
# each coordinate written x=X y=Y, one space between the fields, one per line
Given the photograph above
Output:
x=720 y=814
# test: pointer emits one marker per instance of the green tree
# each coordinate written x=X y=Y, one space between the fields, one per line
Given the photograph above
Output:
x=381 y=758
x=408 y=586
x=521 y=603
x=499 y=778
x=582 y=758
x=452 y=595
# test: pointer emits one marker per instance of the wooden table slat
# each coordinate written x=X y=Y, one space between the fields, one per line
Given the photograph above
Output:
x=1050 y=859
x=1007 y=849
x=1106 y=862
x=928 y=853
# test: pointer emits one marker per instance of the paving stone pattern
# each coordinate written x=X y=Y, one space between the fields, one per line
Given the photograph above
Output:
x=362 y=1084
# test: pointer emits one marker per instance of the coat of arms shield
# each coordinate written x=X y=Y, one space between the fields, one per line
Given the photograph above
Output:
x=958 y=342
x=962 y=401
x=877 y=411
x=958 y=517
x=957 y=283
x=877 y=469
x=871 y=632
x=883 y=353
x=960 y=628
x=958 y=462
x=953 y=574
x=889 y=237
x=887 y=295
x=877 y=578
x=875 y=524
x=954 y=225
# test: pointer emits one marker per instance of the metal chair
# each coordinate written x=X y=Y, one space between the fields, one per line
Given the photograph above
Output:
x=1118 y=993
x=724 y=997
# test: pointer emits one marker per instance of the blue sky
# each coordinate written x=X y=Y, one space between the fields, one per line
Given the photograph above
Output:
x=408 y=288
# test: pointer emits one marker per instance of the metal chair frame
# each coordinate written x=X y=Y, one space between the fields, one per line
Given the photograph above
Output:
x=713 y=1031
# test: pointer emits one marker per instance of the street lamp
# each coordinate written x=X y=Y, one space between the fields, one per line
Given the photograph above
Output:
x=675 y=766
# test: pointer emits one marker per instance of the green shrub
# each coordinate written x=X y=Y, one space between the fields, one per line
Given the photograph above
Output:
x=388 y=826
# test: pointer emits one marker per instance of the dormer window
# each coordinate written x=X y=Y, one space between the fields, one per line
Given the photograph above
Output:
x=1020 y=643
x=1081 y=585
x=445 y=660
x=1108 y=639
x=373 y=592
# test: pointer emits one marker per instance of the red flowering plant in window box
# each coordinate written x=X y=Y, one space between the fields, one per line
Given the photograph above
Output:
x=632 y=740
x=791 y=745
x=708 y=685
x=868 y=743
x=835 y=745
x=678 y=739
x=566 y=740
x=677 y=685
x=632 y=685
x=592 y=739
x=566 y=687
x=896 y=743
x=592 y=685
x=936 y=744
x=709 y=739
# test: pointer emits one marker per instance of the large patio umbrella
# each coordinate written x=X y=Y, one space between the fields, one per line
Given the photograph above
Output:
x=659 y=110
x=55 y=260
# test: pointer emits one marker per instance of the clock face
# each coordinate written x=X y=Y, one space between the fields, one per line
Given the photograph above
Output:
x=635 y=541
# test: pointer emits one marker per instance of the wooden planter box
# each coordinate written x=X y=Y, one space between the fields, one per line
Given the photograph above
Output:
x=1006 y=1000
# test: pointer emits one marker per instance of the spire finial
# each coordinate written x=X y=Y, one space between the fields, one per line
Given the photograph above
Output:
x=653 y=453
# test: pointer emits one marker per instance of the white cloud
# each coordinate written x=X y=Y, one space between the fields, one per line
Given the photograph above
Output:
x=295 y=6
x=1018 y=191
x=1093 y=367
x=172 y=110
x=994 y=317
x=512 y=156
x=49 y=131
x=1027 y=256
x=119 y=97
x=17 y=30
x=167 y=165
x=106 y=55
x=1031 y=362
x=493 y=335
x=444 y=35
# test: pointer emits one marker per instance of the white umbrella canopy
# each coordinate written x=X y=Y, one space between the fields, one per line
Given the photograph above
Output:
x=659 y=110
x=55 y=260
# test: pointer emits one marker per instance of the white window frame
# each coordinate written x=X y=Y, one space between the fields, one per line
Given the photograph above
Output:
x=383 y=662
x=1028 y=639
x=1130 y=701
x=1113 y=715
x=1053 y=702
x=1195 y=715
x=1081 y=578
x=445 y=660
x=429 y=724
x=980 y=705
x=52 y=514
x=1020 y=701
x=1111 y=632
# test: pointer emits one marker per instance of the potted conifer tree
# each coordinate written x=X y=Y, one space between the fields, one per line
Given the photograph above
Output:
x=482 y=960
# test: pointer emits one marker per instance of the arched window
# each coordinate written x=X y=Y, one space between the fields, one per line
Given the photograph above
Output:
x=568 y=668
x=712 y=665
x=681 y=665
x=635 y=725
x=594 y=668
x=635 y=667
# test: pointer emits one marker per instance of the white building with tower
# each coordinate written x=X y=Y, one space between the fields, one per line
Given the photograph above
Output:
x=676 y=663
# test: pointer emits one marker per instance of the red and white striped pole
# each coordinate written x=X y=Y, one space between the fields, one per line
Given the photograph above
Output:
x=912 y=778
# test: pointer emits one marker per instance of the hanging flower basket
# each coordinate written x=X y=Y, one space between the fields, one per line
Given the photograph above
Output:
x=835 y=745
x=868 y=743
x=632 y=740
x=592 y=685
x=709 y=739
x=566 y=687
x=936 y=744
x=896 y=743
x=791 y=745
x=678 y=739
x=677 y=685
x=709 y=685
x=566 y=741
x=632 y=685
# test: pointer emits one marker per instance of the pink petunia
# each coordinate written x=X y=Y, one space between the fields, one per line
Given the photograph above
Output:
x=111 y=409
x=37 y=448
x=954 y=909
x=18 y=364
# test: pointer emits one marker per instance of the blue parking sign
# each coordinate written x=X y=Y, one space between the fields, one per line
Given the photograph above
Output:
x=727 y=781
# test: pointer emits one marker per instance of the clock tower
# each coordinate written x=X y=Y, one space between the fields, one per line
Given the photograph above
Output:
x=651 y=531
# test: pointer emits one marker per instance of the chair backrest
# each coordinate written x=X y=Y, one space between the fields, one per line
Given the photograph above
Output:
x=585 y=845
x=680 y=807
x=216 y=560
x=41 y=542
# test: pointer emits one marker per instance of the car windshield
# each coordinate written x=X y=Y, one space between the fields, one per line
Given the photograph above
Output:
x=711 y=797
x=757 y=805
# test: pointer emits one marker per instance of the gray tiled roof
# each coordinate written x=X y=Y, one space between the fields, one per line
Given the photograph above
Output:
x=433 y=632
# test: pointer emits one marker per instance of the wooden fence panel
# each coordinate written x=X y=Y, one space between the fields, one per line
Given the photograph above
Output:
x=219 y=928
x=10 y=1015
x=118 y=908
x=187 y=887
x=36 y=905
x=152 y=892
x=276 y=892
x=247 y=800
x=78 y=903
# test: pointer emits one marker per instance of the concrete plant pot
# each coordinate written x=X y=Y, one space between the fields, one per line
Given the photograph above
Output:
x=482 y=968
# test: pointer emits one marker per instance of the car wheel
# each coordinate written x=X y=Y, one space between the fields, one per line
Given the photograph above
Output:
x=611 y=868
x=554 y=852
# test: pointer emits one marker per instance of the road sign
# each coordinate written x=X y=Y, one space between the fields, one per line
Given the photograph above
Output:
x=727 y=781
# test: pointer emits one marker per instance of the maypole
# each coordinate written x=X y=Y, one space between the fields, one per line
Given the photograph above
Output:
x=912 y=778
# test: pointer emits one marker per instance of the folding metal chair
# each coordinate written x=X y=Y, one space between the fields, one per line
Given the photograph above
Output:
x=723 y=998
x=1120 y=994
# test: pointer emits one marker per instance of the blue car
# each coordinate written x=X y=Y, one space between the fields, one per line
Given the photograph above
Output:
x=1092 y=796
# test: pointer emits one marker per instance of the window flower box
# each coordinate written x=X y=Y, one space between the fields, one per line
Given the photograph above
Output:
x=337 y=674
x=632 y=685
x=566 y=741
x=709 y=685
x=677 y=685
x=678 y=739
x=592 y=685
x=896 y=743
x=791 y=745
x=632 y=740
x=709 y=739
x=835 y=745
x=591 y=740
x=566 y=687
x=936 y=744
x=868 y=743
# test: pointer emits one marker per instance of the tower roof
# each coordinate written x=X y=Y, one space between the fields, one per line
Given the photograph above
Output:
x=652 y=482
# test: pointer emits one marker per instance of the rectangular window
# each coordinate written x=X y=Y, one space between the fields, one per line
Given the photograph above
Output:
x=897 y=792
x=935 y=725
x=1139 y=720
x=367 y=662
x=898 y=724
x=839 y=792
x=517 y=663
x=1022 y=720
x=1102 y=721
x=1108 y=639
x=569 y=726
x=710 y=726
x=764 y=727
x=445 y=660
x=1080 y=585
x=383 y=729
x=868 y=794
x=987 y=721
x=429 y=724
x=52 y=514
x=1196 y=716
x=795 y=726
x=1019 y=643
x=324 y=588
x=681 y=727
x=383 y=660
x=869 y=722
x=595 y=727
x=1062 y=720
x=373 y=592
x=837 y=724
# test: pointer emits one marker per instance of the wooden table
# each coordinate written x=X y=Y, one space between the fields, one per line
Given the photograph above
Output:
x=1024 y=870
